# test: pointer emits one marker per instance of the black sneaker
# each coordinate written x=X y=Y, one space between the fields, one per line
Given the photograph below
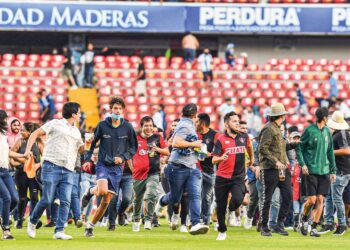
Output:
x=86 y=198
x=50 y=224
x=265 y=232
x=314 y=233
x=326 y=229
x=6 y=234
x=39 y=224
x=19 y=224
x=303 y=227
x=111 y=228
x=121 y=219
x=340 y=231
x=258 y=226
x=89 y=232
x=279 y=229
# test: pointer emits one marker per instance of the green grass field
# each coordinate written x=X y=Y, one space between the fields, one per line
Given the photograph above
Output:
x=164 y=238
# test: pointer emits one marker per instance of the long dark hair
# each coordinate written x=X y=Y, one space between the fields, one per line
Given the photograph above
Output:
x=3 y=123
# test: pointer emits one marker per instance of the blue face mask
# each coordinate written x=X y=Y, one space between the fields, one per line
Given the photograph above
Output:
x=116 y=117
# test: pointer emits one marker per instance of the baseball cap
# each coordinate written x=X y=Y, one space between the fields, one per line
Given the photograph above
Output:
x=295 y=134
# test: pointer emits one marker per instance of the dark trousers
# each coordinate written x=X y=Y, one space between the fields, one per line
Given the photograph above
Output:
x=222 y=189
x=254 y=199
x=270 y=180
x=23 y=183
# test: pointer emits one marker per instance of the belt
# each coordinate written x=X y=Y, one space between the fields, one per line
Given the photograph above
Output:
x=178 y=165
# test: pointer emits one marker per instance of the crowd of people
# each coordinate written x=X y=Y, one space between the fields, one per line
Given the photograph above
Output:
x=276 y=179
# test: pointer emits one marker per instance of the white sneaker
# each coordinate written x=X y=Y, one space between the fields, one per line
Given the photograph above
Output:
x=221 y=236
x=216 y=226
x=61 y=236
x=136 y=226
x=104 y=222
x=148 y=225
x=237 y=221
x=158 y=207
x=183 y=229
x=175 y=221
x=199 y=229
x=248 y=223
x=31 y=229
x=231 y=219
x=57 y=202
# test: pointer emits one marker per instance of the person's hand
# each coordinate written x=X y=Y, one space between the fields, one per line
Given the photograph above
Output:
x=224 y=157
x=197 y=144
x=305 y=170
x=118 y=160
x=333 y=177
x=85 y=166
x=280 y=165
x=155 y=149
x=94 y=158
x=257 y=172
x=26 y=155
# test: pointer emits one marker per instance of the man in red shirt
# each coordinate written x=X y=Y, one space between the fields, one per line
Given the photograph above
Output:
x=229 y=155
x=146 y=169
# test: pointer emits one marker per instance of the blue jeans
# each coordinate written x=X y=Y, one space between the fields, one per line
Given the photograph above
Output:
x=8 y=195
x=189 y=55
x=123 y=200
x=75 y=199
x=87 y=181
x=335 y=199
x=55 y=178
x=275 y=203
x=182 y=178
x=207 y=196
x=89 y=73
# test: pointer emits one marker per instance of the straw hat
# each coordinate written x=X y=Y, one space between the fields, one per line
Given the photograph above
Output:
x=337 y=121
x=278 y=109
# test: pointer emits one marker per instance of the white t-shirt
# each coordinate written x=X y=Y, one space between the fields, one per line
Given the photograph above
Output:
x=158 y=120
x=62 y=143
x=345 y=110
x=205 y=61
x=4 y=152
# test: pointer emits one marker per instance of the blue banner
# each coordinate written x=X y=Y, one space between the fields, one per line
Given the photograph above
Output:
x=174 y=18
x=97 y=16
x=269 y=19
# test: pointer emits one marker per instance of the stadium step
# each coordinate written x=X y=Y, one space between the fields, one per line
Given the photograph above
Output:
x=87 y=98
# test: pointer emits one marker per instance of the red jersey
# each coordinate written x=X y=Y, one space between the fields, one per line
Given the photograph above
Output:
x=234 y=166
x=146 y=164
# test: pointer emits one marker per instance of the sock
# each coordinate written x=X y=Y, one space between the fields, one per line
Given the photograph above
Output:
x=314 y=225
x=304 y=218
x=90 y=225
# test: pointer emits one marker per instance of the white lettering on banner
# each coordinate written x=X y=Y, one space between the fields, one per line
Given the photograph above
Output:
x=340 y=15
x=101 y=18
x=248 y=16
x=28 y=16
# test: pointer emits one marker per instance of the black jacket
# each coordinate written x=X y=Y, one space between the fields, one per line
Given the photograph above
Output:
x=114 y=142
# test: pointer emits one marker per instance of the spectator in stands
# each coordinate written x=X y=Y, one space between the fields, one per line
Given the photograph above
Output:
x=301 y=102
x=165 y=123
x=157 y=116
x=89 y=65
x=333 y=92
x=13 y=133
x=47 y=106
x=341 y=105
x=225 y=108
x=140 y=89
x=244 y=56
x=267 y=111
x=189 y=44
x=67 y=72
x=80 y=70
x=206 y=65
x=230 y=54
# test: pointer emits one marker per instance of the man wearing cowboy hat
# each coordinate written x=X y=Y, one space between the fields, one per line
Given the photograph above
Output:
x=341 y=141
x=273 y=160
x=315 y=155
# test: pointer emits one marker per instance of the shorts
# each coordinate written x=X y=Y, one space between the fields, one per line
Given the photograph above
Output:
x=113 y=174
x=346 y=194
x=208 y=75
x=317 y=185
x=67 y=73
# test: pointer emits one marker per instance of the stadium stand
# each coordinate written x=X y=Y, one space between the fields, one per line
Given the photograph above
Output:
x=21 y=78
